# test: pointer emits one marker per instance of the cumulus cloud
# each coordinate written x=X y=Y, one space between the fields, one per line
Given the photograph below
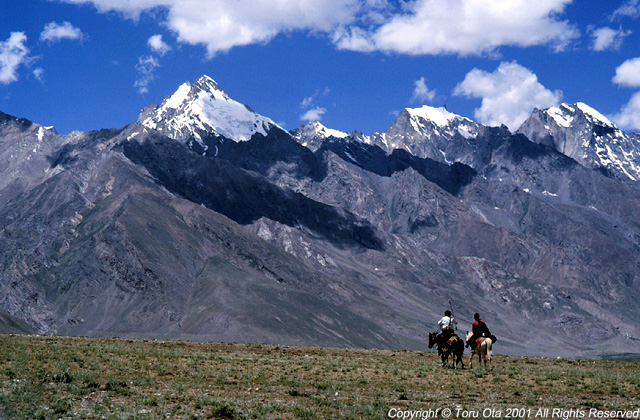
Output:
x=54 y=32
x=314 y=114
x=628 y=73
x=13 y=53
x=146 y=68
x=629 y=116
x=223 y=24
x=465 y=27
x=509 y=94
x=158 y=45
x=421 y=93
x=608 y=38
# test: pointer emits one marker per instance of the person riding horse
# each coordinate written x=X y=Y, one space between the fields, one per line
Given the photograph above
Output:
x=446 y=326
x=479 y=329
x=448 y=341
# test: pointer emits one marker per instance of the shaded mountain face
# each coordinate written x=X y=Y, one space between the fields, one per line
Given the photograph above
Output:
x=178 y=226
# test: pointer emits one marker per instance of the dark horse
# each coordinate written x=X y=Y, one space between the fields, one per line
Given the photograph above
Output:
x=454 y=346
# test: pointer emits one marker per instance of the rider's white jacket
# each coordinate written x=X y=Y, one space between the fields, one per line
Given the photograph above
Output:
x=447 y=322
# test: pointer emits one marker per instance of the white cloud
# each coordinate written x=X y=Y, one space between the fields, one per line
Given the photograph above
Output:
x=310 y=100
x=465 y=27
x=13 y=53
x=306 y=102
x=608 y=38
x=354 y=39
x=628 y=73
x=146 y=68
x=314 y=114
x=158 y=45
x=223 y=24
x=39 y=74
x=629 y=116
x=630 y=9
x=421 y=93
x=509 y=94
x=130 y=8
x=54 y=32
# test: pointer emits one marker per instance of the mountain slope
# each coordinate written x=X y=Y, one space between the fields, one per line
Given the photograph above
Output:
x=102 y=233
x=178 y=231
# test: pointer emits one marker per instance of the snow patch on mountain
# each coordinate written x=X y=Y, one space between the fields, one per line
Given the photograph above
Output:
x=561 y=118
x=587 y=110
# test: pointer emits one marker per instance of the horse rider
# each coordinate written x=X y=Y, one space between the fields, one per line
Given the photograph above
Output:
x=479 y=329
x=446 y=326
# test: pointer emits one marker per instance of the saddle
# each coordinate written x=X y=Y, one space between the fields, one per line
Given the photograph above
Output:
x=480 y=341
x=451 y=340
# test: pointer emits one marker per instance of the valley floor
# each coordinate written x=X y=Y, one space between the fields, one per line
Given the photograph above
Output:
x=63 y=377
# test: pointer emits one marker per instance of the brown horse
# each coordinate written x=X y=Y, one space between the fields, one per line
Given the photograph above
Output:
x=454 y=347
x=483 y=350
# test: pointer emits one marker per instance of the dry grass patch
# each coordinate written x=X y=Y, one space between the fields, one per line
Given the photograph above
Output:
x=61 y=377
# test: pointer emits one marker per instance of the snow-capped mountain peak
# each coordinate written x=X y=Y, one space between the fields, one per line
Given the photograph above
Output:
x=195 y=111
x=587 y=136
x=439 y=116
x=564 y=114
x=595 y=115
x=313 y=134
x=429 y=121
x=434 y=133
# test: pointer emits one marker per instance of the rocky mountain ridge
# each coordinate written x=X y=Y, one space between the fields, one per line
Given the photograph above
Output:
x=178 y=231
x=588 y=137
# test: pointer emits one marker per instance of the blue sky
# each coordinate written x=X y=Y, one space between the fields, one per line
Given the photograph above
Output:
x=352 y=64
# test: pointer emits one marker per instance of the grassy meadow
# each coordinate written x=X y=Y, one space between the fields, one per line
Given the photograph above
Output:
x=98 y=378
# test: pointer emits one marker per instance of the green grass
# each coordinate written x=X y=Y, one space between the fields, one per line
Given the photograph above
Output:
x=61 y=377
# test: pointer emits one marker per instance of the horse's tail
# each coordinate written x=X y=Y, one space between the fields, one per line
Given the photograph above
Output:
x=489 y=348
